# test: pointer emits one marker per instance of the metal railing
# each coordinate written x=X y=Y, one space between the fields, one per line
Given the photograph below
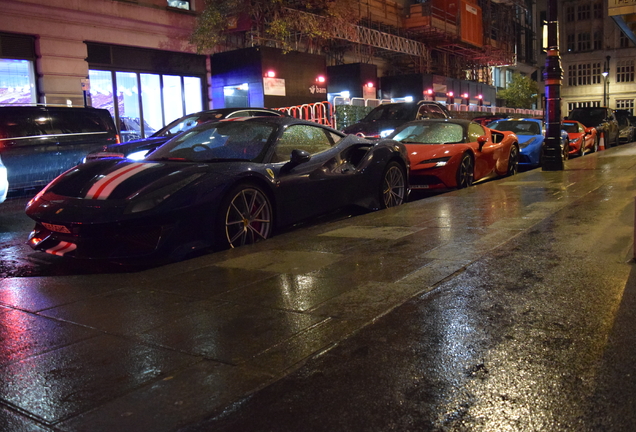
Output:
x=318 y=112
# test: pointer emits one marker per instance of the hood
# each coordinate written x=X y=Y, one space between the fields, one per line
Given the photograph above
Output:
x=434 y=153
x=525 y=138
x=132 y=146
x=110 y=179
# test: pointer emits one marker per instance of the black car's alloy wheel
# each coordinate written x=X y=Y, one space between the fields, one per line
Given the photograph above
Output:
x=247 y=216
x=465 y=172
x=393 y=188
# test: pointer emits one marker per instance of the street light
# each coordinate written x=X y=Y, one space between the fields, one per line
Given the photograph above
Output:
x=605 y=74
x=606 y=81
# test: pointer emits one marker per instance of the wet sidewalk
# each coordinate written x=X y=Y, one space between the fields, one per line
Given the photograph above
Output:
x=506 y=306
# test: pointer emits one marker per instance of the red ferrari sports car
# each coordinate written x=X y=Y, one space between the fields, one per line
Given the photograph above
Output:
x=582 y=139
x=454 y=153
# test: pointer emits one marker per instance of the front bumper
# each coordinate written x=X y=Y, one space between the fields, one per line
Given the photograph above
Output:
x=101 y=241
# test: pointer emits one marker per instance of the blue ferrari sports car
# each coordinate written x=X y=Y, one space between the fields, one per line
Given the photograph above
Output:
x=218 y=185
x=531 y=134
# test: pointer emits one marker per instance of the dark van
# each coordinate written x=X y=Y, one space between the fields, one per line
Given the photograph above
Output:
x=38 y=143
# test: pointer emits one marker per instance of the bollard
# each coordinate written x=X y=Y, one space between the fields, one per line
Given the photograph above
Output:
x=601 y=142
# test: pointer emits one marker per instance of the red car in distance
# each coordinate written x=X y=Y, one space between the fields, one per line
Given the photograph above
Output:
x=582 y=139
x=454 y=153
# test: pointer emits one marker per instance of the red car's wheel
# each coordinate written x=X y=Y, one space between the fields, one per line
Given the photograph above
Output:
x=513 y=161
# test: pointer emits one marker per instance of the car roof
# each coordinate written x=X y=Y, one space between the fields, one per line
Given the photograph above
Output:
x=282 y=121
x=462 y=122
x=522 y=119
x=226 y=111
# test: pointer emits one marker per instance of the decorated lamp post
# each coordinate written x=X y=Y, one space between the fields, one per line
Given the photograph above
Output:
x=553 y=75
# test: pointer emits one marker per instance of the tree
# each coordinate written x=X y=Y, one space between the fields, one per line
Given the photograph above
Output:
x=521 y=92
x=277 y=20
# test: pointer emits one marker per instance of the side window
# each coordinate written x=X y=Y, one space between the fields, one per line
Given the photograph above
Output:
x=436 y=112
x=302 y=137
x=475 y=131
x=430 y=111
x=16 y=125
x=63 y=123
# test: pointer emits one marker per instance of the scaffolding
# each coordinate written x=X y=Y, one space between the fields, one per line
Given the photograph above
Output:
x=456 y=39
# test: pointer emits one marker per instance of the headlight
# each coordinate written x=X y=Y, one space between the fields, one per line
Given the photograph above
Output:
x=529 y=142
x=138 y=155
x=439 y=162
x=152 y=199
x=385 y=133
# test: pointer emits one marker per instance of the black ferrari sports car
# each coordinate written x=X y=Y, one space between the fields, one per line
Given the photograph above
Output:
x=221 y=184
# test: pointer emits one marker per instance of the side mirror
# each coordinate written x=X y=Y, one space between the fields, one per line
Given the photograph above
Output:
x=299 y=156
x=482 y=140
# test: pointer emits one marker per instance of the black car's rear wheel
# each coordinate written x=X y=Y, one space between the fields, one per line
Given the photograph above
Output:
x=246 y=216
x=393 y=189
x=465 y=172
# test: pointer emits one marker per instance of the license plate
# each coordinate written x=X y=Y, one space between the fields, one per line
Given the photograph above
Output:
x=56 y=228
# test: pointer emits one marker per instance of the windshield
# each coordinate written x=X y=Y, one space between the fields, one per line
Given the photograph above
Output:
x=222 y=141
x=184 y=123
x=593 y=117
x=431 y=133
x=400 y=111
x=570 y=127
x=520 y=127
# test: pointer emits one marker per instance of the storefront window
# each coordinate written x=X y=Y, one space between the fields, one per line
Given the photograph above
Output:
x=101 y=89
x=151 y=103
x=192 y=93
x=17 y=84
x=128 y=104
x=172 y=98
x=149 y=99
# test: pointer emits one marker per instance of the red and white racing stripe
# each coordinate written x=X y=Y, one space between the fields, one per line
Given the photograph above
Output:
x=102 y=189
x=62 y=248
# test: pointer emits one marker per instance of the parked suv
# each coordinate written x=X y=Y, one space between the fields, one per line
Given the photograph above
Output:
x=383 y=119
x=602 y=118
x=626 y=130
x=38 y=143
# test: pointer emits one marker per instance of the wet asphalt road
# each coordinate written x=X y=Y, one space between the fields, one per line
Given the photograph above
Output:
x=505 y=307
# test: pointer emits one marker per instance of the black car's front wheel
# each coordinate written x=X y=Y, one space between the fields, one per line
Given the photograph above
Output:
x=465 y=172
x=393 y=189
x=246 y=217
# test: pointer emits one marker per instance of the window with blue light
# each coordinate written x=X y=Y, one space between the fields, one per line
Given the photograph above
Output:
x=180 y=4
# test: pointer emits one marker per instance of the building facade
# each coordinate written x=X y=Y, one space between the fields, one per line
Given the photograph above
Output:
x=128 y=57
x=597 y=56
x=133 y=57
